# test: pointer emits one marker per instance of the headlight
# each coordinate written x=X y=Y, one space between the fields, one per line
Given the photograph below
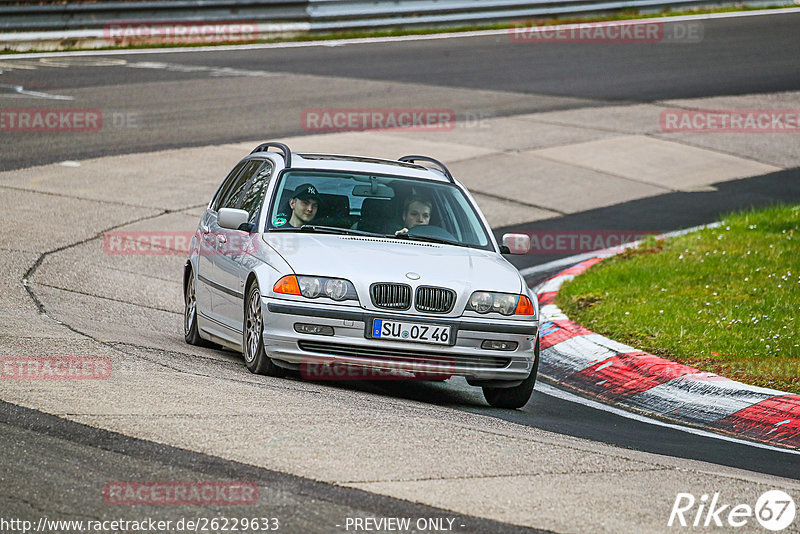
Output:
x=502 y=303
x=505 y=304
x=337 y=288
x=316 y=286
x=480 y=301
x=310 y=287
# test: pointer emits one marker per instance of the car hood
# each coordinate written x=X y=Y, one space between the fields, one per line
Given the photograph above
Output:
x=365 y=260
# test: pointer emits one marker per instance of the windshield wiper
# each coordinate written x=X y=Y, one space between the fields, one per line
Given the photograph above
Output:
x=428 y=239
x=324 y=230
x=348 y=231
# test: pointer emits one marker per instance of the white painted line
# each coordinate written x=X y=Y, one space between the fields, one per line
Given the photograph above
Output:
x=20 y=90
x=692 y=401
x=554 y=284
x=555 y=264
x=214 y=72
x=375 y=40
x=547 y=389
x=109 y=34
x=583 y=351
x=551 y=312
x=601 y=367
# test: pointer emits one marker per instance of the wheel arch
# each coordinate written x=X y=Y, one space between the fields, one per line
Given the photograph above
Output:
x=188 y=268
x=251 y=277
x=265 y=276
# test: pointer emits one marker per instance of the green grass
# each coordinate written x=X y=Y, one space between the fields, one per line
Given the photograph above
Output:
x=358 y=34
x=724 y=300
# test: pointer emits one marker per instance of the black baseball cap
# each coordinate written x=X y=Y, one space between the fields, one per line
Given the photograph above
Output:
x=306 y=191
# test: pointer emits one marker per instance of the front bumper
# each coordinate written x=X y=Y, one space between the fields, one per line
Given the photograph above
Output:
x=351 y=343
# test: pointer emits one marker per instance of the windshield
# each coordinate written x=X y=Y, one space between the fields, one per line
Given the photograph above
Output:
x=408 y=208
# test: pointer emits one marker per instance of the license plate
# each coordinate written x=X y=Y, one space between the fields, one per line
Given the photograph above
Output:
x=416 y=332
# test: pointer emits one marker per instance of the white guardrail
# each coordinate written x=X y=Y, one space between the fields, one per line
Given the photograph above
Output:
x=53 y=25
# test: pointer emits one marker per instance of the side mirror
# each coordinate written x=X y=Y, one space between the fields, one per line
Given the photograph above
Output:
x=516 y=244
x=232 y=218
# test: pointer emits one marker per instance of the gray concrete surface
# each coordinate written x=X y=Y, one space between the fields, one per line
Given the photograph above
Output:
x=646 y=160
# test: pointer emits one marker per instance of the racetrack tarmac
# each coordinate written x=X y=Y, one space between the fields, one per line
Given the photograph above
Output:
x=322 y=452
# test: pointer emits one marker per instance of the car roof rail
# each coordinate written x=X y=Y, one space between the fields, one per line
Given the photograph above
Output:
x=445 y=171
x=287 y=154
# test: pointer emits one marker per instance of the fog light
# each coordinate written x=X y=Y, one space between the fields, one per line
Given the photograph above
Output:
x=318 y=329
x=495 y=344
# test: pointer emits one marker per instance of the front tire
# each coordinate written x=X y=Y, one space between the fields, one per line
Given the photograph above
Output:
x=517 y=396
x=191 y=334
x=255 y=357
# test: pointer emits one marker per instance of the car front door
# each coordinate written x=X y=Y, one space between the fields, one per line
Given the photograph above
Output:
x=214 y=247
x=207 y=246
x=235 y=259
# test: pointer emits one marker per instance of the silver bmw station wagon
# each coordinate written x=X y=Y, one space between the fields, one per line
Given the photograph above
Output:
x=313 y=262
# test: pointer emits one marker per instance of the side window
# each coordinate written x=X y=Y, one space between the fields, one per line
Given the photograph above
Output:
x=453 y=220
x=226 y=185
x=232 y=197
x=469 y=229
x=251 y=200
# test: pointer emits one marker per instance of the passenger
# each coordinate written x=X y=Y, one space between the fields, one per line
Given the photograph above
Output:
x=416 y=212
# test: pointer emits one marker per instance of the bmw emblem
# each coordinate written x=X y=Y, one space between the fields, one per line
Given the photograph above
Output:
x=412 y=276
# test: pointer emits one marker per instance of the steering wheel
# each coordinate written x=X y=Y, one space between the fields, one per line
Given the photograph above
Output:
x=430 y=230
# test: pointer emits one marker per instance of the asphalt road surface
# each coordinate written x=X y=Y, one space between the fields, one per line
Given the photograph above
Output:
x=53 y=468
x=160 y=100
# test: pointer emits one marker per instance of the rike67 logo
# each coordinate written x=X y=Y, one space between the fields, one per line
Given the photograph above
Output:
x=774 y=510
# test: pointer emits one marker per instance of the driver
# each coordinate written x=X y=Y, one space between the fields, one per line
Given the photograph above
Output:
x=416 y=212
x=304 y=205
